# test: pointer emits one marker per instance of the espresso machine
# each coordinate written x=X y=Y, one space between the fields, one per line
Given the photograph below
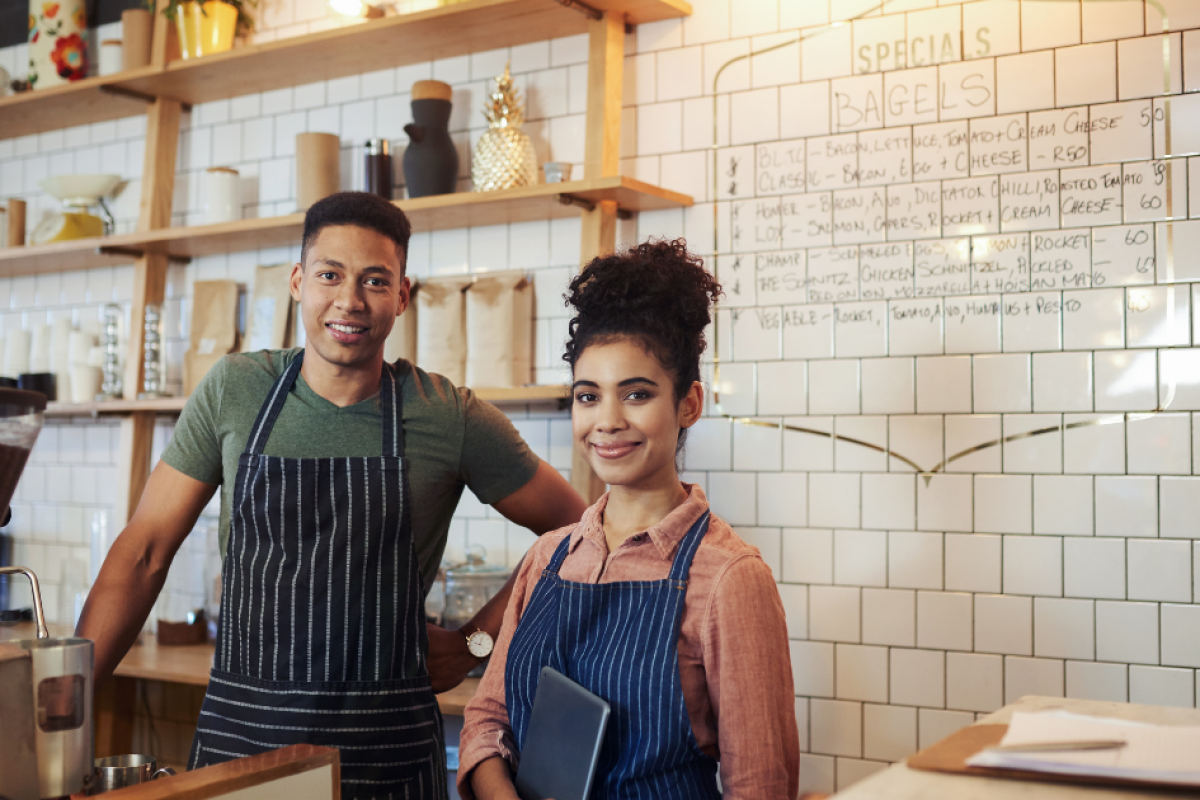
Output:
x=45 y=683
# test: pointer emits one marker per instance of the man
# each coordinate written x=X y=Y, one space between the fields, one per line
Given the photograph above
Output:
x=339 y=474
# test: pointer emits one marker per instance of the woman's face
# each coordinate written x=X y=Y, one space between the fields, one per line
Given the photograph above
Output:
x=625 y=418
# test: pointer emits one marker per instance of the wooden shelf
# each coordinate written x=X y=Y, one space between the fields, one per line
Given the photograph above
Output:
x=524 y=394
x=174 y=405
x=459 y=210
x=166 y=405
x=89 y=100
x=465 y=27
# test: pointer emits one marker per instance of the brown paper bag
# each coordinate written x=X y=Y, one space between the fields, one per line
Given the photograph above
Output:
x=402 y=341
x=500 y=330
x=270 y=319
x=214 y=329
x=441 y=327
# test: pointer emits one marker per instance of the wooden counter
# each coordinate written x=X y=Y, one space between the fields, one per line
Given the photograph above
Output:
x=190 y=664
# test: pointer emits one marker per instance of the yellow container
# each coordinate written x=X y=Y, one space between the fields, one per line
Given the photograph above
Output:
x=207 y=31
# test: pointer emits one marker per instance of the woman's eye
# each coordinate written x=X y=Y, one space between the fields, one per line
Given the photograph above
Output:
x=585 y=397
x=638 y=394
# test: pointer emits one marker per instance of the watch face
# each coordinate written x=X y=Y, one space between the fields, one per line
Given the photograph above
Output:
x=480 y=644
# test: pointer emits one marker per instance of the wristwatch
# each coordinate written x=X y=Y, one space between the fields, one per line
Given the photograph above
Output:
x=480 y=643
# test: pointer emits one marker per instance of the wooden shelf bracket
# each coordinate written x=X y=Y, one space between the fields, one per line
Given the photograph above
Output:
x=583 y=8
x=588 y=205
x=137 y=252
x=133 y=94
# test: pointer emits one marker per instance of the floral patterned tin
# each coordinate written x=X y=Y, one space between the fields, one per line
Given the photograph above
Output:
x=57 y=42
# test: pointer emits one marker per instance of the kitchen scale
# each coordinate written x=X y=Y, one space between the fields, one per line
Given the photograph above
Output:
x=78 y=194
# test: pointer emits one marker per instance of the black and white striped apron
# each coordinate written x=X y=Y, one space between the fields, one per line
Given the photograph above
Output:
x=322 y=638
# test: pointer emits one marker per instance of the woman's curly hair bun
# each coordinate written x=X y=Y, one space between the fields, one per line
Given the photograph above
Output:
x=657 y=292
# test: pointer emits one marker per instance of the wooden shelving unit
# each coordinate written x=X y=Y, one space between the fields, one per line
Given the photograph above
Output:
x=461 y=210
x=171 y=406
x=453 y=30
x=165 y=88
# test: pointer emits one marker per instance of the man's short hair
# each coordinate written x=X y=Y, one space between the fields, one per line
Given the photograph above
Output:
x=363 y=209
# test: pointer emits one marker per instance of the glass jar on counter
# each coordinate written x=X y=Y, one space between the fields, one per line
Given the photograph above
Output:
x=469 y=586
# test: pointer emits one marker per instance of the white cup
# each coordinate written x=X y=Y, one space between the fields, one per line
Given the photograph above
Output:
x=110 y=57
x=221 y=191
x=85 y=383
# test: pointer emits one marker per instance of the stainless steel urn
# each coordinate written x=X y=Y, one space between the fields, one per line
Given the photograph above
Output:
x=62 y=705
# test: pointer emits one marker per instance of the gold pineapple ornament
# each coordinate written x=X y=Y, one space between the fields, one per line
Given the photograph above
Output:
x=504 y=157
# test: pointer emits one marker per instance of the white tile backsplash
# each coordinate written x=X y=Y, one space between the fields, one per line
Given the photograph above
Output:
x=940 y=288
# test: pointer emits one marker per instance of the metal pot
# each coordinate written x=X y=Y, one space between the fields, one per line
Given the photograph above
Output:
x=62 y=704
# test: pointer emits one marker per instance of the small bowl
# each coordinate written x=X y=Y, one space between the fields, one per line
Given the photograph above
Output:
x=80 y=190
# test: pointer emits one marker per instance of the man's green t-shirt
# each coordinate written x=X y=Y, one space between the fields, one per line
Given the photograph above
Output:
x=451 y=439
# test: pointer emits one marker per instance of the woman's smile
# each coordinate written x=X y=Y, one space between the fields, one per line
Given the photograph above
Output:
x=614 y=450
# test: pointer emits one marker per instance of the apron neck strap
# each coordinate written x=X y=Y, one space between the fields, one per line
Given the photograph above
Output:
x=393 y=430
x=688 y=547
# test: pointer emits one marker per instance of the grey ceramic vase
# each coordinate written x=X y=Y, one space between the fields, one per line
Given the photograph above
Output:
x=431 y=159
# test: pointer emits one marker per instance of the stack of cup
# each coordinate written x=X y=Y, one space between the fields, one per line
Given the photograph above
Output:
x=60 y=356
x=16 y=353
x=85 y=374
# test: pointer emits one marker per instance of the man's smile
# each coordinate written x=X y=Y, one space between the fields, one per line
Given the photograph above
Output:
x=347 y=332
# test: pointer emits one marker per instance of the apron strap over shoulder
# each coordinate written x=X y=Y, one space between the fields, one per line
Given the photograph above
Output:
x=390 y=405
x=688 y=547
x=270 y=409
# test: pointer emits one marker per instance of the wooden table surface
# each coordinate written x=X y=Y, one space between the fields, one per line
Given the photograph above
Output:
x=898 y=782
x=190 y=664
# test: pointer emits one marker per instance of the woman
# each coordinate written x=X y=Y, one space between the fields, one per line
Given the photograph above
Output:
x=718 y=651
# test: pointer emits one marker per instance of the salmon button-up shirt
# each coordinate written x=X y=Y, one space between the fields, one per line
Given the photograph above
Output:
x=734 y=664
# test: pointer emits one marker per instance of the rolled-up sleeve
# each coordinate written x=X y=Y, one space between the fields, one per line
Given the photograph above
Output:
x=749 y=672
x=486 y=732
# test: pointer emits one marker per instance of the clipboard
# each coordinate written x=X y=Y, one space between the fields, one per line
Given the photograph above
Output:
x=950 y=756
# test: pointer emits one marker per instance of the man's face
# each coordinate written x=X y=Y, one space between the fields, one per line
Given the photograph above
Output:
x=351 y=288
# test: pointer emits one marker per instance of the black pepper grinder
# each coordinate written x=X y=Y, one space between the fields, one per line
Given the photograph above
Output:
x=379 y=168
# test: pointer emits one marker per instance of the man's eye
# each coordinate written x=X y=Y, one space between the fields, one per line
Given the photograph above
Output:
x=327 y=275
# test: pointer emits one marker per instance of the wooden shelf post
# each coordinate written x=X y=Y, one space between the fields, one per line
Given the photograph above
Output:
x=602 y=153
x=150 y=273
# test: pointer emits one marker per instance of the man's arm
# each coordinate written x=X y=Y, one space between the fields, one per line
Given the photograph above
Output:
x=545 y=503
x=136 y=567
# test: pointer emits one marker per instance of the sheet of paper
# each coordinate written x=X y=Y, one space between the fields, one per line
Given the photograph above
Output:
x=1152 y=753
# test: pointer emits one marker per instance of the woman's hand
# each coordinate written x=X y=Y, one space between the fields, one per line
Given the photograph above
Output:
x=492 y=780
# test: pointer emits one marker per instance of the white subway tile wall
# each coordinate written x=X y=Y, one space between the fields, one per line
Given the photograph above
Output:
x=956 y=242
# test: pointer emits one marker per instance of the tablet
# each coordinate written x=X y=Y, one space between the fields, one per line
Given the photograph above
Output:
x=562 y=743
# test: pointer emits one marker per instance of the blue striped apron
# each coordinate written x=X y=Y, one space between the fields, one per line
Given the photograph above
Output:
x=619 y=641
x=322 y=637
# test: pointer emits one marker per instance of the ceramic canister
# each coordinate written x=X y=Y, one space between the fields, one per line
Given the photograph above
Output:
x=57 y=46
x=221 y=187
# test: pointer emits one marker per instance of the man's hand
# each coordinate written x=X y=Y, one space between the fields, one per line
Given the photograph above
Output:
x=449 y=658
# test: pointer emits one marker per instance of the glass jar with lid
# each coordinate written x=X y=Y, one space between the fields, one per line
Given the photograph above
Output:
x=469 y=586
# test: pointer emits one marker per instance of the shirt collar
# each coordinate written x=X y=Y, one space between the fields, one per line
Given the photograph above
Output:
x=666 y=535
